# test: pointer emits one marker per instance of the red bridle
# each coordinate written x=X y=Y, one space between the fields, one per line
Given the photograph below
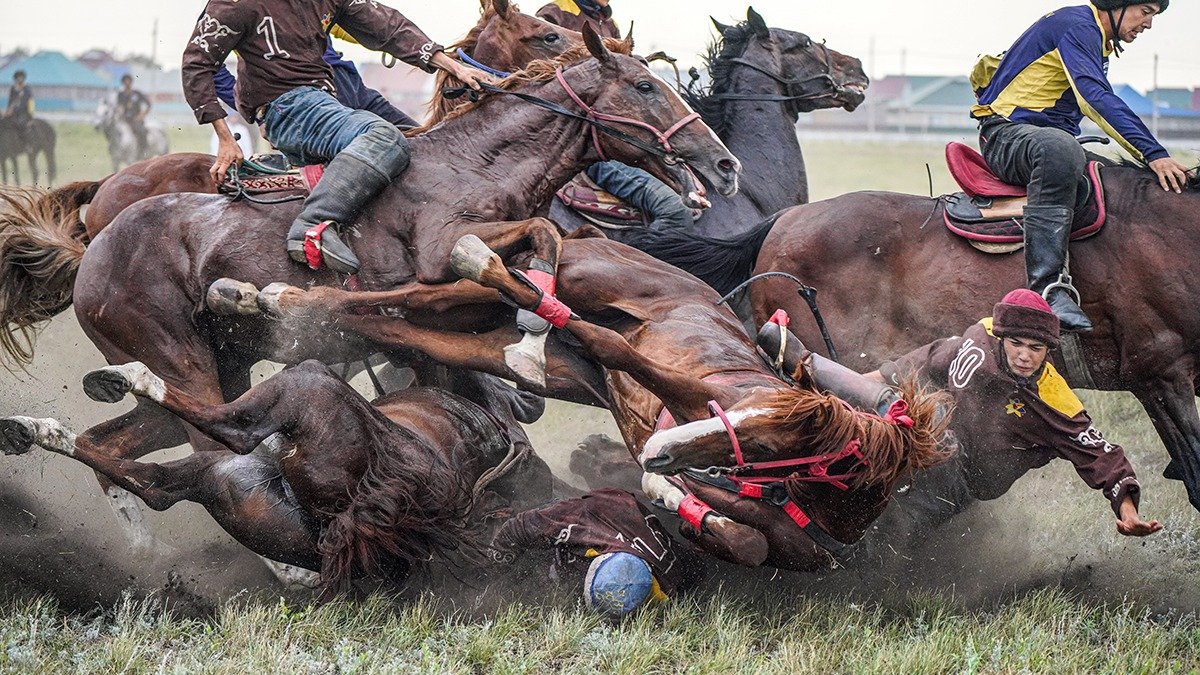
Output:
x=663 y=137
x=816 y=467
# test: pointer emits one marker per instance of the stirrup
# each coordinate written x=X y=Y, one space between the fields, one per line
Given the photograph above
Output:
x=1064 y=282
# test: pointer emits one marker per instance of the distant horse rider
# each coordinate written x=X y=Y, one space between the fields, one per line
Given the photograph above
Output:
x=1010 y=402
x=284 y=82
x=1031 y=100
x=573 y=14
x=20 y=102
x=608 y=542
x=349 y=87
x=132 y=107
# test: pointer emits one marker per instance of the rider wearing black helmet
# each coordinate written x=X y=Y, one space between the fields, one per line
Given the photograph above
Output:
x=1031 y=100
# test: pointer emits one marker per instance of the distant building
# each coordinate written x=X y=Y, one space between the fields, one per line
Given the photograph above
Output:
x=59 y=84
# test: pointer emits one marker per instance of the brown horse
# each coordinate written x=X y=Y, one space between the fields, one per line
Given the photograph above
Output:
x=503 y=36
x=36 y=138
x=345 y=487
x=892 y=279
x=141 y=287
x=652 y=338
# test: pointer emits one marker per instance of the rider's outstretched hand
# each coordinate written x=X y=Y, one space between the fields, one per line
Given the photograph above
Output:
x=1171 y=174
x=1130 y=524
x=472 y=77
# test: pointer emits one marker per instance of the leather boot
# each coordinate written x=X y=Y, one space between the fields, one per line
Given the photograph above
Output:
x=1047 y=233
x=344 y=189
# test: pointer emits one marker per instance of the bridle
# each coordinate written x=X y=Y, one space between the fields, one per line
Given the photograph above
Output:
x=596 y=120
x=790 y=85
x=811 y=469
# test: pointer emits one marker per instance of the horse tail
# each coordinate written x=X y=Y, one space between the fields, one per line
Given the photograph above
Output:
x=398 y=518
x=41 y=247
x=722 y=263
x=894 y=450
x=71 y=198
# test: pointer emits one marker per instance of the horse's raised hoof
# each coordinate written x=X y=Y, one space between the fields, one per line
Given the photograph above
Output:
x=16 y=435
x=268 y=298
x=111 y=384
x=229 y=297
x=470 y=257
x=527 y=359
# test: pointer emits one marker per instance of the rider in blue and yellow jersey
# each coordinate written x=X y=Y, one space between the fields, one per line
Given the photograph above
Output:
x=1031 y=101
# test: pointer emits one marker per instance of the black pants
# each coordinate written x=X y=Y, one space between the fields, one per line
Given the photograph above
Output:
x=1047 y=160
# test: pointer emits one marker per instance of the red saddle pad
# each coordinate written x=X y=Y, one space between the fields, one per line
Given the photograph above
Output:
x=973 y=175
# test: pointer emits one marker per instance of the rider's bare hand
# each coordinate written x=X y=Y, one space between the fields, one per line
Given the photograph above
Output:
x=472 y=77
x=1171 y=174
x=228 y=152
x=1131 y=524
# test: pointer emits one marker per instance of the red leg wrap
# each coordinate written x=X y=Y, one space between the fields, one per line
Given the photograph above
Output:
x=543 y=280
x=692 y=511
x=312 y=244
x=780 y=317
x=549 y=308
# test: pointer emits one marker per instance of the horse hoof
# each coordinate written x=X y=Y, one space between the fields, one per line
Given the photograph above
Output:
x=268 y=298
x=111 y=384
x=16 y=435
x=528 y=365
x=470 y=257
x=229 y=297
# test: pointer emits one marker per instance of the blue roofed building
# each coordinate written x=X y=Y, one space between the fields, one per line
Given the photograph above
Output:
x=60 y=85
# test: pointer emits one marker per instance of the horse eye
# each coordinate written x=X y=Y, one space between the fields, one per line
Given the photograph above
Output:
x=552 y=38
x=644 y=87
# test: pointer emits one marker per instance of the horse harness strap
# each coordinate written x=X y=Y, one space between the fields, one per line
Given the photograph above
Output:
x=826 y=76
x=466 y=58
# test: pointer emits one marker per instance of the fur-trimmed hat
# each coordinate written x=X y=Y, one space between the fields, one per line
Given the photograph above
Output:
x=1118 y=4
x=1023 y=313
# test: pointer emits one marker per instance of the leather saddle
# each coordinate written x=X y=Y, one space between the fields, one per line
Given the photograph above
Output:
x=599 y=207
x=264 y=174
x=988 y=212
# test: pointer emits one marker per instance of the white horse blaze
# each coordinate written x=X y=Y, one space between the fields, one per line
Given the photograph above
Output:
x=684 y=434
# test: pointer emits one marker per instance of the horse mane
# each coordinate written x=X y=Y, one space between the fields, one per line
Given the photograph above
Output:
x=400 y=516
x=439 y=106
x=718 y=61
x=541 y=70
x=823 y=424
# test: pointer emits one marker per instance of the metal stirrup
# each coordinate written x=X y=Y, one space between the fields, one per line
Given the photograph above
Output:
x=1064 y=282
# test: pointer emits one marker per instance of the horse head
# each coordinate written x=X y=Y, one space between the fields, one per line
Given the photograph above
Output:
x=622 y=93
x=810 y=74
x=777 y=424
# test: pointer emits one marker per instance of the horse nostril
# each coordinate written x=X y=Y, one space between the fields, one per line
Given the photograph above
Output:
x=727 y=165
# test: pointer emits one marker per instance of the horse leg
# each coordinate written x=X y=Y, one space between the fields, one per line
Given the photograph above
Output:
x=715 y=533
x=1172 y=408
x=244 y=495
x=684 y=395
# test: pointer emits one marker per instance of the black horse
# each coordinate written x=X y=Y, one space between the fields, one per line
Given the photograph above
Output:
x=35 y=138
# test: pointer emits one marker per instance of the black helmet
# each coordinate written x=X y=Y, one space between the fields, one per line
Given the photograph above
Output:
x=19 y=73
x=1118 y=4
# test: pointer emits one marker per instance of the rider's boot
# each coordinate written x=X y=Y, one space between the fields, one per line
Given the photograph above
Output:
x=661 y=204
x=346 y=186
x=1047 y=233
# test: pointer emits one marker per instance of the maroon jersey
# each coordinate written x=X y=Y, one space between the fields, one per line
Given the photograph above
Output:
x=280 y=44
x=568 y=14
x=600 y=522
x=1029 y=420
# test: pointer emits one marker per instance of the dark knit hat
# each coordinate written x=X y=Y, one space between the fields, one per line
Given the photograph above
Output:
x=1023 y=313
x=1118 y=4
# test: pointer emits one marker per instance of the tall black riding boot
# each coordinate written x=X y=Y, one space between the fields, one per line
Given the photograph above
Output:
x=1047 y=233
x=346 y=186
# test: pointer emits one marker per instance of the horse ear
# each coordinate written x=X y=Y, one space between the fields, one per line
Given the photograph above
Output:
x=628 y=41
x=757 y=24
x=721 y=28
x=595 y=44
x=501 y=7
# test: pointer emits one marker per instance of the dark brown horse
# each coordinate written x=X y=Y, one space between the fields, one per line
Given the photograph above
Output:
x=652 y=339
x=140 y=290
x=344 y=487
x=35 y=138
x=760 y=80
x=891 y=279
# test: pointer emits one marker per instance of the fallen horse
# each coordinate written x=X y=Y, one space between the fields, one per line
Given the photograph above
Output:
x=317 y=477
x=648 y=341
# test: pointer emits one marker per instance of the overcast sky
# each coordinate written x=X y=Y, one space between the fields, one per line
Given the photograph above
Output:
x=941 y=37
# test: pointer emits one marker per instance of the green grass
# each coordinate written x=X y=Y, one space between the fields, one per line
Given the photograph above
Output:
x=1044 y=631
x=83 y=152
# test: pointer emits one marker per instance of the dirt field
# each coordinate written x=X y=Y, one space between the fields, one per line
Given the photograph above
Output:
x=59 y=539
